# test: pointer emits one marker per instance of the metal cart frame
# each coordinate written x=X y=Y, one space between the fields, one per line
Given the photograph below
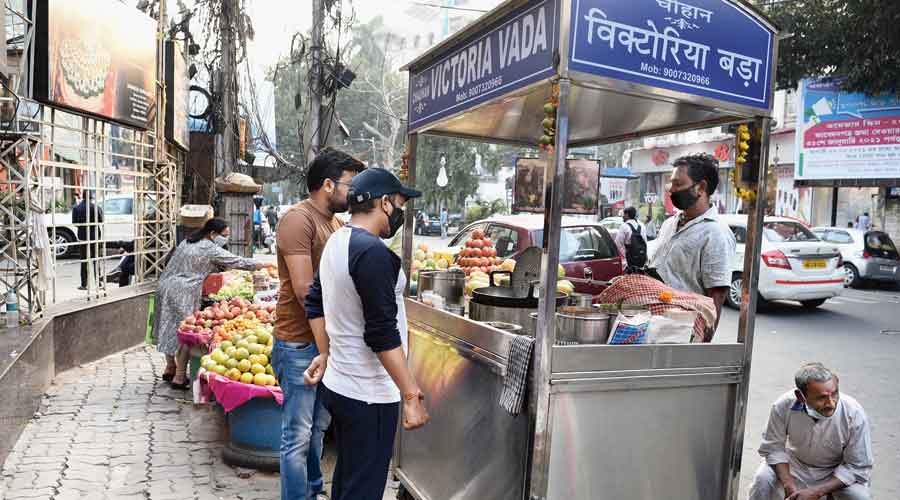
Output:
x=650 y=421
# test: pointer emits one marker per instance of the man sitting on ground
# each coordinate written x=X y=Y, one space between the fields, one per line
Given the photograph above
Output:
x=816 y=443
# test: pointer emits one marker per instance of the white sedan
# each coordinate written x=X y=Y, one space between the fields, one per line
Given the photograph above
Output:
x=796 y=265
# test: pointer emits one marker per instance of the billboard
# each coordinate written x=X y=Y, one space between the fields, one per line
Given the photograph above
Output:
x=581 y=193
x=177 y=90
x=843 y=135
x=98 y=57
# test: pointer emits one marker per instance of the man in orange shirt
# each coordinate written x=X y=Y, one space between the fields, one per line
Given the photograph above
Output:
x=302 y=233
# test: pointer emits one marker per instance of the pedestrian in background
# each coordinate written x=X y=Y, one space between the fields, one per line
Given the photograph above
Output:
x=88 y=218
x=863 y=222
x=444 y=222
x=817 y=443
x=650 y=225
x=181 y=285
x=357 y=312
x=301 y=237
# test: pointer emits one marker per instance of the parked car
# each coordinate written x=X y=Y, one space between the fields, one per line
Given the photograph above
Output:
x=118 y=224
x=427 y=225
x=612 y=224
x=586 y=248
x=868 y=255
x=796 y=265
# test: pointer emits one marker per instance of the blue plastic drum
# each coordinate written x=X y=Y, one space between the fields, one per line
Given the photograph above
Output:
x=254 y=432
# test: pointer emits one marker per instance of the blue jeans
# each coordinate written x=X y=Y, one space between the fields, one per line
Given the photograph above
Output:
x=303 y=422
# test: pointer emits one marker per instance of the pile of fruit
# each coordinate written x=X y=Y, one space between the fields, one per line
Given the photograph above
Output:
x=237 y=284
x=425 y=259
x=243 y=359
x=224 y=320
x=478 y=255
x=479 y=279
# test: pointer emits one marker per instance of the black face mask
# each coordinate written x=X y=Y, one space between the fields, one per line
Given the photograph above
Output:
x=685 y=198
x=395 y=220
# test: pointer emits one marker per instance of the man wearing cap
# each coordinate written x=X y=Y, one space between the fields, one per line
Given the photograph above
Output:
x=356 y=311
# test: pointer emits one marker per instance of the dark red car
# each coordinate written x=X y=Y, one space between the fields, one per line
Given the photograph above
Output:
x=586 y=251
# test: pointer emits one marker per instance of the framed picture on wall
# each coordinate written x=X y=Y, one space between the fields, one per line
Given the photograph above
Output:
x=581 y=191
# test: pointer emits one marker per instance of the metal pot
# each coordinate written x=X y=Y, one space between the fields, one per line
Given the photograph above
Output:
x=500 y=303
x=425 y=283
x=581 y=300
x=584 y=328
x=507 y=327
x=450 y=285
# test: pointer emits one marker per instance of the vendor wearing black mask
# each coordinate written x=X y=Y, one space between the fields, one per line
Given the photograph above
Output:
x=695 y=249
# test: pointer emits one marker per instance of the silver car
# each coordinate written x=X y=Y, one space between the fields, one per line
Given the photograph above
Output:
x=868 y=255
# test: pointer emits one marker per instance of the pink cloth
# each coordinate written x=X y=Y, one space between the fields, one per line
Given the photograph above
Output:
x=191 y=339
x=231 y=394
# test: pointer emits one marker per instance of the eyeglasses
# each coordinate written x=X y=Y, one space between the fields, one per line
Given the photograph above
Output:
x=342 y=183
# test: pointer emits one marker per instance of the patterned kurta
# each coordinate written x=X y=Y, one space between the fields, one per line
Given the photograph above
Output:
x=181 y=284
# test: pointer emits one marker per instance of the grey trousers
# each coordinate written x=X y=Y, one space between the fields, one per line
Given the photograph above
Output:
x=766 y=486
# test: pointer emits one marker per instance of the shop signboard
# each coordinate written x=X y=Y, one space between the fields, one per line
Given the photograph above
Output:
x=177 y=90
x=707 y=48
x=513 y=53
x=98 y=57
x=843 y=135
x=581 y=193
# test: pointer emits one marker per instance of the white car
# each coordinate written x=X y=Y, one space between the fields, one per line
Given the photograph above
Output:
x=796 y=265
x=118 y=224
x=612 y=225
x=868 y=255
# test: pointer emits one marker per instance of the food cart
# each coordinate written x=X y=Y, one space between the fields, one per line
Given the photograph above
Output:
x=602 y=421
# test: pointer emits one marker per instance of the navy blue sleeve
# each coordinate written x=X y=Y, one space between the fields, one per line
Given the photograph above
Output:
x=374 y=270
x=313 y=303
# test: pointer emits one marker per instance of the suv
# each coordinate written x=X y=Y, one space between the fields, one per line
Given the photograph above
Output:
x=868 y=255
x=796 y=264
x=586 y=248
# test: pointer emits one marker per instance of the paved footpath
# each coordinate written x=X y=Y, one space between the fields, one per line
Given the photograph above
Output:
x=113 y=430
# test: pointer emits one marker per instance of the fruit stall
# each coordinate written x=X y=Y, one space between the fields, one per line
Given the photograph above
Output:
x=233 y=338
x=622 y=398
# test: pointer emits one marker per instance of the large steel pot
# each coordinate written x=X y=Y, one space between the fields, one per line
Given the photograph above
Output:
x=579 y=328
x=450 y=285
x=425 y=283
x=500 y=303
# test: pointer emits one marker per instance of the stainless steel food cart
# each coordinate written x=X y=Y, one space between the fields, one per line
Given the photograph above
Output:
x=602 y=422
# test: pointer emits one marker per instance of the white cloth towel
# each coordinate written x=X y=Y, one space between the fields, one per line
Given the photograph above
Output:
x=40 y=241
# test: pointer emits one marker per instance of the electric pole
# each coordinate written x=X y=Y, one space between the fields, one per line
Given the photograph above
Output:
x=314 y=118
x=226 y=79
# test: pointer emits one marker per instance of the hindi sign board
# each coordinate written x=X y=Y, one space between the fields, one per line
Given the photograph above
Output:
x=512 y=53
x=709 y=48
x=844 y=135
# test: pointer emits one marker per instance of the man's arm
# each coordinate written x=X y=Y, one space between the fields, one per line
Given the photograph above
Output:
x=715 y=261
x=718 y=295
x=773 y=447
x=315 y=314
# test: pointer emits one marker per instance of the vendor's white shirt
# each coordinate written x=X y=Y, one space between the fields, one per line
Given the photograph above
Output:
x=696 y=257
x=839 y=445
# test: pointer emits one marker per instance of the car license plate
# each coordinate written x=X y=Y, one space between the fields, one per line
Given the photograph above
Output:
x=887 y=269
x=815 y=264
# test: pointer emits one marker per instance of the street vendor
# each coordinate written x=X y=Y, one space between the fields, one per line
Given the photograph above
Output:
x=302 y=233
x=816 y=444
x=180 y=288
x=695 y=249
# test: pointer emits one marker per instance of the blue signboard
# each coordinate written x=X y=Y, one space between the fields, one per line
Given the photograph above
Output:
x=513 y=53
x=709 y=48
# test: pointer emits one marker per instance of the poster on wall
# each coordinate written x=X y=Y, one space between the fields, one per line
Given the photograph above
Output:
x=177 y=90
x=582 y=189
x=98 y=57
x=843 y=135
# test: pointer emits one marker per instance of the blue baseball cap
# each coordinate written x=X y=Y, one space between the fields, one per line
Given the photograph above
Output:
x=373 y=183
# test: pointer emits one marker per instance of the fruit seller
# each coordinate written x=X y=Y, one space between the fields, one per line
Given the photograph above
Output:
x=180 y=288
x=357 y=313
x=816 y=445
x=301 y=236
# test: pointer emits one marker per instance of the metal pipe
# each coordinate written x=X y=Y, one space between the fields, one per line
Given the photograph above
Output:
x=747 y=319
x=412 y=143
x=554 y=189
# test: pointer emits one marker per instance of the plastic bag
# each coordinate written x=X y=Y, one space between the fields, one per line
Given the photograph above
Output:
x=673 y=327
x=630 y=329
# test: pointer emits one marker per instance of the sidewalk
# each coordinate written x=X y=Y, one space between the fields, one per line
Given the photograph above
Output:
x=113 y=430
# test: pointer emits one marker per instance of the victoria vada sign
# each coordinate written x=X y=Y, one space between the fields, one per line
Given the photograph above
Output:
x=707 y=48
x=512 y=54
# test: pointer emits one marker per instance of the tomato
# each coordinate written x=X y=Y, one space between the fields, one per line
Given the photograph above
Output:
x=477 y=234
x=476 y=252
x=487 y=242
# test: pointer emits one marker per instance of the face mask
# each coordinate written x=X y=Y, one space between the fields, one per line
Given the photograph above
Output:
x=220 y=240
x=395 y=220
x=684 y=199
x=813 y=413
